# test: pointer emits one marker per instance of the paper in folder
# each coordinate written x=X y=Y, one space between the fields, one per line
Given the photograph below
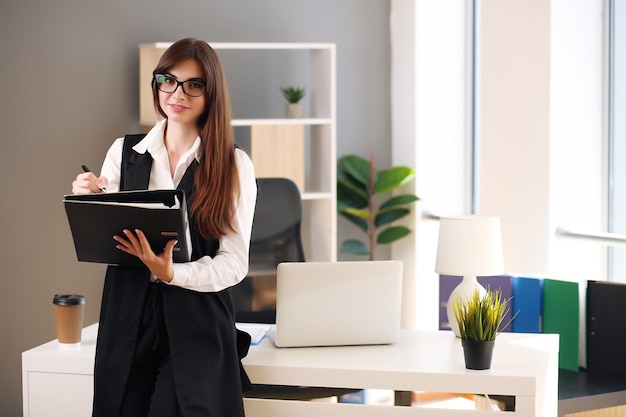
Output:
x=95 y=218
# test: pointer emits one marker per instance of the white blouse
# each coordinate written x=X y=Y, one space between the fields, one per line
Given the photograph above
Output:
x=230 y=264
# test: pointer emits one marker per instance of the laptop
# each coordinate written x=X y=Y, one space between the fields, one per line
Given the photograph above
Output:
x=337 y=303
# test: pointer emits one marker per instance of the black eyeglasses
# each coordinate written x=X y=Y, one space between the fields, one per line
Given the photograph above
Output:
x=169 y=84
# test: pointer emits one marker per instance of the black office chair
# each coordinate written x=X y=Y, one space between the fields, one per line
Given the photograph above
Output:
x=275 y=238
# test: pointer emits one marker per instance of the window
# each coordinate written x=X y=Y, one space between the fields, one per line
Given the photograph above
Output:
x=616 y=69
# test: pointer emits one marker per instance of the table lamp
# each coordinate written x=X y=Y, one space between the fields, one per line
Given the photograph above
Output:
x=468 y=246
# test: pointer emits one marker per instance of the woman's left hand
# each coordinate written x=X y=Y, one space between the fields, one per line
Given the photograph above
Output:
x=136 y=244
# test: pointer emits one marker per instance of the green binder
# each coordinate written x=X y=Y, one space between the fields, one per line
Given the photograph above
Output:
x=561 y=306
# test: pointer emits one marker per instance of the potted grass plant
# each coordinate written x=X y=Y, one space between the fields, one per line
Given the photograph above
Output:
x=480 y=319
x=293 y=95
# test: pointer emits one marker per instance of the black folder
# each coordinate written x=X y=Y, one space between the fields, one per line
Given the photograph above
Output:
x=606 y=327
x=95 y=218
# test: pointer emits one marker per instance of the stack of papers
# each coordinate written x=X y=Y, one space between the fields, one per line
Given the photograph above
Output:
x=257 y=331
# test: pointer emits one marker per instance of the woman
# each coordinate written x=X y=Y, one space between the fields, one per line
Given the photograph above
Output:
x=167 y=342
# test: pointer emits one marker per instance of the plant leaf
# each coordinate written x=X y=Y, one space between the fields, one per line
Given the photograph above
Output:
x=392 y=234
x=357 y=221
x=349 y=196
x=480 y=317
x=392 y=178
x=362 y=214
x=355 y=247
x=388 y=216
x=293 y=94
x=358 y=168
x=399 y=200
x=343 y=177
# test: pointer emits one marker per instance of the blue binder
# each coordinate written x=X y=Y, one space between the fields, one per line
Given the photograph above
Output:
x=527 y=300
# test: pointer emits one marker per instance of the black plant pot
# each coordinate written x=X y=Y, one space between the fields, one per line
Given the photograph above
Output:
x=477 y=354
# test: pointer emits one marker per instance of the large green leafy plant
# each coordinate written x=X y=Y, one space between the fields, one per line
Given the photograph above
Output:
x=480 y=316
x=357 y=184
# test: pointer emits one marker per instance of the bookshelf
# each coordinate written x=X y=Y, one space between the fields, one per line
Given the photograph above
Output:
x=316 y=153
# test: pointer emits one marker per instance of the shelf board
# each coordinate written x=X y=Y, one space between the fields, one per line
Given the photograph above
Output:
x=264 y=122
x=249 y=45
x=316 y=196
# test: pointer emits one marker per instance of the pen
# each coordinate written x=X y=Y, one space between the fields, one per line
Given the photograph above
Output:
x=86 y=169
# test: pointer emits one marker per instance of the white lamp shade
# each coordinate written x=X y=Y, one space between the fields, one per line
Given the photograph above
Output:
x=469 y=245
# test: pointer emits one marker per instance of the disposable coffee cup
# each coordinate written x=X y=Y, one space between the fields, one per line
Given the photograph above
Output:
x=69 y=310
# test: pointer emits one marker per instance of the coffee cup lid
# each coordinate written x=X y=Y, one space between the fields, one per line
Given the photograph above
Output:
x=68 y=299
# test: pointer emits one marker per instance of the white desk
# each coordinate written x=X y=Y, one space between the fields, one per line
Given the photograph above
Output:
x=524 y=366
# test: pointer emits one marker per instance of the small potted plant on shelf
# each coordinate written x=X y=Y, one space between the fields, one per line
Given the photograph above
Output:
x=480 y=319
x=357 y=185
x=293 y=95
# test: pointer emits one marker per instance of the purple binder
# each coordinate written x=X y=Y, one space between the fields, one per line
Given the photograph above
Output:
x=447 y=284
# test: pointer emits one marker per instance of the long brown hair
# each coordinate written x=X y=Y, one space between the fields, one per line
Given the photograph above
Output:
x=216 y=178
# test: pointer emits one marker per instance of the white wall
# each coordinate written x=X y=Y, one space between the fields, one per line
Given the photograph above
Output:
x=541 y=137
x=577 y=170
x=515 y=127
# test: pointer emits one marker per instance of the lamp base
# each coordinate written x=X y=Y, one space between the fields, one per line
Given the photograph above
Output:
x=464 y=290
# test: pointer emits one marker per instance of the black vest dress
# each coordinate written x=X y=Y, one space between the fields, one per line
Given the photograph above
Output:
x=206 y=348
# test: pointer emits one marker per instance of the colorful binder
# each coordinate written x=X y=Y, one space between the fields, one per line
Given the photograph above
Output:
x=561 y=316
x=447 y=284
x=527 y=300
x=606 y=327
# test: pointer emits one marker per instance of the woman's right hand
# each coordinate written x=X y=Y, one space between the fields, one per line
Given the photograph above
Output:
x=87 y=183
